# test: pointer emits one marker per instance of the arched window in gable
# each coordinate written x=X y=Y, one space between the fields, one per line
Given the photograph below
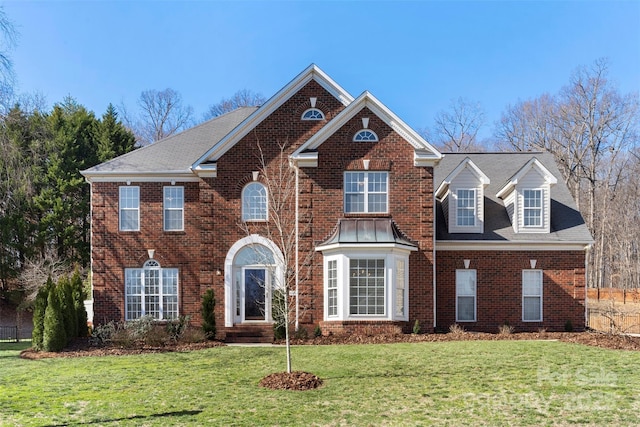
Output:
x=365 y=135
x=312 y=114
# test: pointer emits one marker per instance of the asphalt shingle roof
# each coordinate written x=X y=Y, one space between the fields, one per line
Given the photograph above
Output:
x=567 y=224
x=178 y=152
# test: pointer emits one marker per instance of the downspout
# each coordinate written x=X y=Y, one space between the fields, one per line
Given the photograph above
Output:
x=586 y=284
x=433 y=241
x=297 y=228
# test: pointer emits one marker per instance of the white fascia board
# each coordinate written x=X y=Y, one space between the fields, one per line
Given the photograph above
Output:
x=442 y=189
x=371 y=247
x=158 y=176
x=425 y=153
x=306 y=160
x=208 y=170
x=483 y=245
x=310 y=73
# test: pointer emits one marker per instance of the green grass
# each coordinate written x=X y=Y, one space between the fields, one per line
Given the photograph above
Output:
x=446 y=383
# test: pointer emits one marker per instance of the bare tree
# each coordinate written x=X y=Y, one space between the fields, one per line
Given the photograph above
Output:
x=457 y=129
x=37 y=270
x=242 y=98
x=162 y=114
x=282 y=228
x=7 y=42
x=592 y=131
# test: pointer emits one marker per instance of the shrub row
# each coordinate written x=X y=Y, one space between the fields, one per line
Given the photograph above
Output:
x=59 y=313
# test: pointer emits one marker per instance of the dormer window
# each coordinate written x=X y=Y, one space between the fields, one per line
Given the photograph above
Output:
x=466 y=208
x=365 y=135
x=312 y=114
x=532 y=202
x=527 y=198
x=462 y=197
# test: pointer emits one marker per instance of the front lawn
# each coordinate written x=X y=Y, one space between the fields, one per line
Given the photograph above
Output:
x=442 y=383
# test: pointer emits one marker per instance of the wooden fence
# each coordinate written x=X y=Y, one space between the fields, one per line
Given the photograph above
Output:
x=624 y=296
x=9 y=334
x=611 y=321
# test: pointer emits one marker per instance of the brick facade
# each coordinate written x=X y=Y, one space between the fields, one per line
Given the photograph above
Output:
x=499 y=289
x=212 y=218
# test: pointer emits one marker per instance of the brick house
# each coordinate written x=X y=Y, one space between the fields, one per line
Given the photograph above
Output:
x=391 y=230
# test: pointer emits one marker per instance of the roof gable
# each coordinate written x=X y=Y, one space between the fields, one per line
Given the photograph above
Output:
x=425 y=153
x=312 y=72
x=533 y=164
x=466 y=163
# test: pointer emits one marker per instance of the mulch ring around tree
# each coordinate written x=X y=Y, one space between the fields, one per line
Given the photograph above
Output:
x=297 y=380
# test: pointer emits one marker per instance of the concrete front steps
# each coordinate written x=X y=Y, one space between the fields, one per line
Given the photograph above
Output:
x=249 y=334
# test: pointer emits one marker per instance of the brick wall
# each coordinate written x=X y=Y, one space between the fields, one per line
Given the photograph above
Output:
x=499 y=289
x=114 y=250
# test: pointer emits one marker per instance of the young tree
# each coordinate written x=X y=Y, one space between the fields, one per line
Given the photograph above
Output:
x=78 y=297
x=282 y=228
x=242 y=98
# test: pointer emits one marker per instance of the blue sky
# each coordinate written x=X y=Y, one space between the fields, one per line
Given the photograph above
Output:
x=414 y=56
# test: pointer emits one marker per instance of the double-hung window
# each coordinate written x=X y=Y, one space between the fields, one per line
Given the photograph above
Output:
x=466 y=207
x=332 y=288
x=532 y=295
x=466 y=295
x=129 y=205
x=151 y=291
x=532 y=205
x=366 y=192
x=173 y=208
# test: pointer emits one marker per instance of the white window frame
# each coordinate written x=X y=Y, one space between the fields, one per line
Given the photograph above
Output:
x=165 y=300
x=392 y=281
x=471 y=196
x=167 y=208
x=252 y=212
x=366 y=192
x=312 y=114
x=123 y=202
x=539 y=209
x=539 y=278
x=332 y=288
x=365 y=135
x=368 y=282
x=459 y=276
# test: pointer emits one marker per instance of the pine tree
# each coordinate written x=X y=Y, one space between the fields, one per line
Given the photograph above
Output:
x=208 y=318
x=40 y=306
x=55 y=336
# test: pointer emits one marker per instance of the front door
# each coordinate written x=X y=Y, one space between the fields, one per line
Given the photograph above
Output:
x=255 y=289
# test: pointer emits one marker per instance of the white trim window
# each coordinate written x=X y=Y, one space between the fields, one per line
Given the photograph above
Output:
x=332 y=288
x=254 y=202
x=151 y=291
x=129 y=207
x=312 y=114
x=366 y=287
x=532 y=295
x=366 y=192
x=365 y=135
x=532 y=208
x=173 y=208
x=401 y=286
x=466 y=207
x=466 y=295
